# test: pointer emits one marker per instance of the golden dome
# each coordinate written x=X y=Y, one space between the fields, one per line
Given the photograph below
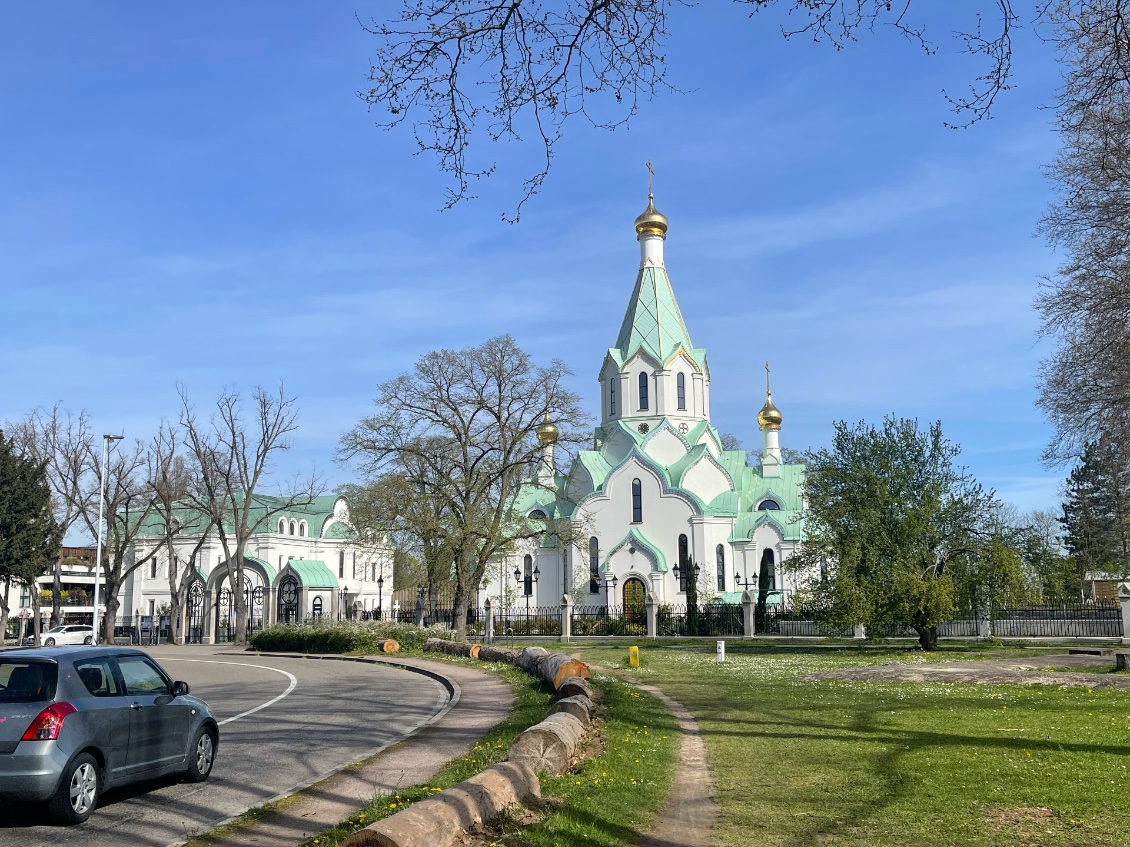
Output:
x=547 y=431
x=770 y=416
x=651 y=220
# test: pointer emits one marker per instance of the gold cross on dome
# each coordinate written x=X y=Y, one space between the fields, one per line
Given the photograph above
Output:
x=767 y=378
x=650 y=174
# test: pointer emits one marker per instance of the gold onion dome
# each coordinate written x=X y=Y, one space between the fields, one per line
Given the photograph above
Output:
x=651 y=220
x=547 y=431
x=770 y=415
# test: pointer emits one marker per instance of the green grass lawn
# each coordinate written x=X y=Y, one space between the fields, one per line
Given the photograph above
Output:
x=805 y=762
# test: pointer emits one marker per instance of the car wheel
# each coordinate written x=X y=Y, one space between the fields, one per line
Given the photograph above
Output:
x=201 y=755
x=49 y=642
x=78 y=791
x=88 y=640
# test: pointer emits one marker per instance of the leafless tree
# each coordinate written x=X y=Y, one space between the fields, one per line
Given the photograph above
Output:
x=507 y=69
x=169 y=479
x=469 y=417
x=129 y=506
x=64 y=442
x=1085 y=307
x=232 y=453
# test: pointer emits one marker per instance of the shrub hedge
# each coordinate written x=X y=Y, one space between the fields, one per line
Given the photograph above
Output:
x=344 y=636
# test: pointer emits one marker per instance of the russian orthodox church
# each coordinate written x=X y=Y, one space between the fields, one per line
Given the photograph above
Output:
x=657 y=499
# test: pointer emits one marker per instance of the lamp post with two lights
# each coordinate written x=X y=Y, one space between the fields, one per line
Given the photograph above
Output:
x=106 y=439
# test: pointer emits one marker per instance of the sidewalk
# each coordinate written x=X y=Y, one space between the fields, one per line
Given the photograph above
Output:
x=483 y=702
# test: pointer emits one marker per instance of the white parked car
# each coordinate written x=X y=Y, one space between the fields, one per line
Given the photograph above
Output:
x=71 y=633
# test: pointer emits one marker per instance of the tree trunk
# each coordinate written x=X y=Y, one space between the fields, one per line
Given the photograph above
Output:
x=4 y=610
x=927 y=637
x=239 y=601
x=110 y=616
x=57 y=594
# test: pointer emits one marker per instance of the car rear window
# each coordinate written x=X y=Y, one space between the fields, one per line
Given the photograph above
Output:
x=27 y=680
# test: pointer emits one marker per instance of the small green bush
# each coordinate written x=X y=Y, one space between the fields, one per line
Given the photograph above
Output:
x=344 y=636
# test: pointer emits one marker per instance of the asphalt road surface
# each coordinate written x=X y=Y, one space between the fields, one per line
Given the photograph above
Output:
x=284 y=723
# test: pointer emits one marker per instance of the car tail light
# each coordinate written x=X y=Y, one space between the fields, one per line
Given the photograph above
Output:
x=47 y=723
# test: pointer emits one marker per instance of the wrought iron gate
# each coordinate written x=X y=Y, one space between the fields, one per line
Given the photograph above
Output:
x=288 y=600
x=194 y=617
x=253 y=596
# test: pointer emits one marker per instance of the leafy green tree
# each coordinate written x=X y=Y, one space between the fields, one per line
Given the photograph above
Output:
x=30 y=536
x=892 y=517
x=469 y=419
x=1096 y=510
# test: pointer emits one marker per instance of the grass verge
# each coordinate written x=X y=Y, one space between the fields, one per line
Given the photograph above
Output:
x=800 y=761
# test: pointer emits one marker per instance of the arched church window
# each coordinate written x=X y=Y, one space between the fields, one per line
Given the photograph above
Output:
x=684 y=562
x=282 y=527
x=316 y=607
x=720 y=557
x=767 y=579
x=528 y=575
x=341 y=564
x=612 y=396
x=637 y=501
x=537 y=515
x=594 y=566
x=302 y=529
x=293 y=527
x=681 y=390
x=643 y=391
x=768 y=506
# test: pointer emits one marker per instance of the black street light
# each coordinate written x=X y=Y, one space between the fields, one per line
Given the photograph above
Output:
x=677 y=571
x=747 y=584
x=341 y=602
x=380 y=595
x=607 y=593
x=533 y=579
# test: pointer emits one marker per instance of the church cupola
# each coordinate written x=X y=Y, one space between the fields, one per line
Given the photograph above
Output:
x=651 y=228
x=547 y=438
x=769 y=420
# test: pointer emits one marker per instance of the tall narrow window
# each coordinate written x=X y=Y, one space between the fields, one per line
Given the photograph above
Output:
x=594 y=566
x=293 y=527
x=767 y=578
x=684 y=562
x=153 y=568
x=637 y=501
x=643 y=391
x=612 y=396
x=341 y=564
x=681 y=390
x=528 y=575
x=282 y=527
x=720 y=556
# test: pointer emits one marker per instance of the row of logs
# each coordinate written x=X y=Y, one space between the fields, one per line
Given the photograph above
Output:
x=549 y=747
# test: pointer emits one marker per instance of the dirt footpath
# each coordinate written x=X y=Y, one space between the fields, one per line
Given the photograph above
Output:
x=1038 y=670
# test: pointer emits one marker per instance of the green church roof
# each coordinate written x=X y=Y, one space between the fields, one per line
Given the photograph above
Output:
x=313 y=573
x=653 y=323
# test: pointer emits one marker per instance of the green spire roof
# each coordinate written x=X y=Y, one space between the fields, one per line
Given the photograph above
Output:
x=653 y=322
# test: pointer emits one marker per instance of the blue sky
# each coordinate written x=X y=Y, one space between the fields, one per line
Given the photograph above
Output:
x=195 y=194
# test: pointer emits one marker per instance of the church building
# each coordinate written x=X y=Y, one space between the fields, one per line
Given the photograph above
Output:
x=657 y=500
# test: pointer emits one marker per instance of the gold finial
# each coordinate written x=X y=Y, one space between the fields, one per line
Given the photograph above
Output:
x=547 y=429
x=770 y=416
x=651 y=221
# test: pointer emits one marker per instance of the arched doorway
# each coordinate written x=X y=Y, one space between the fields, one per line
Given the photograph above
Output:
x=194 y=613
x=288 y=599
x=634 y=597
x=253 y=596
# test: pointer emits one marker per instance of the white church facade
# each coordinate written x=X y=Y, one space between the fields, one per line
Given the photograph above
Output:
x=657 y=499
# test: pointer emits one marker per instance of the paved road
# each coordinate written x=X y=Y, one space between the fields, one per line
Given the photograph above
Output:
x=287 y=723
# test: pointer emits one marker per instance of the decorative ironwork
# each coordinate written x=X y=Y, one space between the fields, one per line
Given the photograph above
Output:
x=288 y=600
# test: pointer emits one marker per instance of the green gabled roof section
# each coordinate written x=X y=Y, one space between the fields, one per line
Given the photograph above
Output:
x=597 y=467
x=313 y=573
x=726 y=503
x=317 y=513
x=698 y=453
x=638 y=539
x=786 y=523
x=271 y=573
x=654 y=324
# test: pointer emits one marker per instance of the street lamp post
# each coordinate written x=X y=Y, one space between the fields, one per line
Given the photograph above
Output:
x=608 y=593
x=746 y=584
x=380 y=594
x=341 y=602
x=106 y=439
x=533 y=580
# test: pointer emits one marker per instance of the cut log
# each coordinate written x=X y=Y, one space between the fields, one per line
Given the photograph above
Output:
x=529 y=658
x=442 y=819
x=474 y=652
x=489 y=653
x=578 y=706
x=548 y=746
x=434 y=645
x=388 y=646
x=573 y=686
x=555 y=668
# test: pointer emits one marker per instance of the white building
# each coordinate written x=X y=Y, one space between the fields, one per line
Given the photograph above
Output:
x=305 y=562
x=657 y=493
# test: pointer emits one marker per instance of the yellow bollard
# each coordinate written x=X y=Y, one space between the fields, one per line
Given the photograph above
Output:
x=634 y=656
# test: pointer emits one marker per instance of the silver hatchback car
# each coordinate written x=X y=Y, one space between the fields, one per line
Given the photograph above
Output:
x=75 y=721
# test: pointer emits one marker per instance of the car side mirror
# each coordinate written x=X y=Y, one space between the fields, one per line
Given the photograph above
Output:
x=180 y=689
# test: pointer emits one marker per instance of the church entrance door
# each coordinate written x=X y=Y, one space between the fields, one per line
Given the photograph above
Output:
x=635 y=594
